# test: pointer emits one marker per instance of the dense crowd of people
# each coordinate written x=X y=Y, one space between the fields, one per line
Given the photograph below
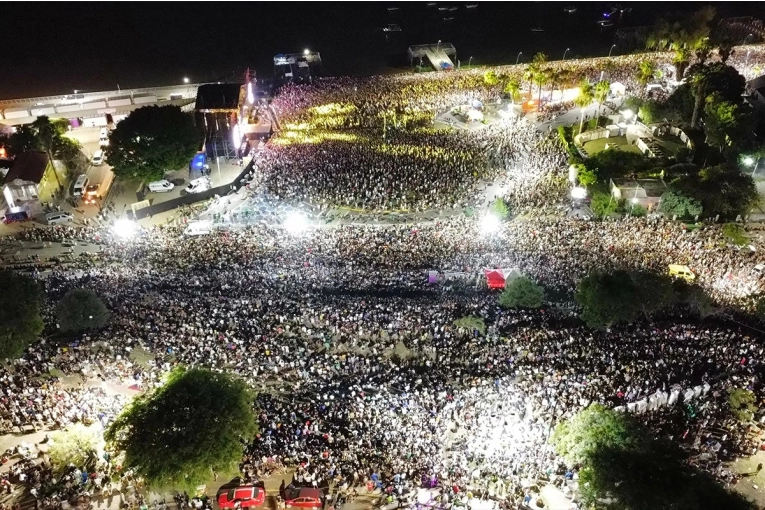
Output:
x=363 y=378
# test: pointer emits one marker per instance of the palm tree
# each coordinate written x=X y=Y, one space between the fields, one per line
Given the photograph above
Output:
x=602 y=88
x=681 y=61
x=542 y=78
x=699 y=76
x=542 y=75
x=645 y=72
x=513 y=88
x=46 y=133
x=584 y=99
x=529 y=74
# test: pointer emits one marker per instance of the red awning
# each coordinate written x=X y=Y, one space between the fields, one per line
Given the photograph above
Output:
x=495 y=278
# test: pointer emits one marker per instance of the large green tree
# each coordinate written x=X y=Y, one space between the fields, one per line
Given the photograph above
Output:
x=522 y=292
x=198 y=421
x=81 y=310
x=624 y=468
x=20 y=320
x=728 y=126
x=718 y=79
x=622 y=296
x=151 y=141
x=592 y=429
x=612 y=163
x=723 y=190
x=76 y=445
x=675 y=203
x=651 y=475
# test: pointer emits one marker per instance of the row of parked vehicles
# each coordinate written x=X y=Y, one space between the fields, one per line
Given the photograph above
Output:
x=251 y=496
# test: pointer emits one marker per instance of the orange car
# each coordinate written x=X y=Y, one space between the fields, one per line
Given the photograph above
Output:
x=247 y=495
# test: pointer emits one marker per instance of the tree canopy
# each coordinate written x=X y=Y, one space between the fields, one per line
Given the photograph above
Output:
x=151 y=141
x=471 y=323
x=490 y=78
x=623 y=296
x=81 y=310
x=612 y=163
x=592 y=429
x=20 y=319
x=197 y=421
x=76 y=445
x=728 y=126
x=722 y=189
x=522 y=292
x=45 y=134
x=675 y=203
x=624 y=468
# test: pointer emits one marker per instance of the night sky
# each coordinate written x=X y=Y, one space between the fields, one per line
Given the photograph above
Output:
x=54 y=48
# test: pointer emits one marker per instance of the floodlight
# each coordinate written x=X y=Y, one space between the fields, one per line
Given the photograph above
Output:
x=489 y=224
x=628 y=114
x=306 y=51
x=748 y=161
x=295 y=223
x=578 y=193
x=124 y=228
x=185 y=80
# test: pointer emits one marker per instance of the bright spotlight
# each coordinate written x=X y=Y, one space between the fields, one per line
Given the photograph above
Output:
x=578 y=193
x=306 y=52
x=124 y=228
x=635 y=200
x=628 y=114
x=185 y=79
x=250 y=95
x=236 y=135
x=489 y=224
x=295 y=223
x=748 y=161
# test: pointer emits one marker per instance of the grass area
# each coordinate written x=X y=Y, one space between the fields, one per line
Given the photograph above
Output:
x=615 y=142
x=671 y=144
x=141 y=356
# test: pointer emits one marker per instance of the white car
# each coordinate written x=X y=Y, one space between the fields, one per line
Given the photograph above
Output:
x=98 y=158
x=58 y=217
x=198 y=185
x=162 y=186
x=103 y=141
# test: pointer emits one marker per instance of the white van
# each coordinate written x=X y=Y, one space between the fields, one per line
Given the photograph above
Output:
x=161 y=186
x=56 y=218
x=98 y=158
x=79 y=185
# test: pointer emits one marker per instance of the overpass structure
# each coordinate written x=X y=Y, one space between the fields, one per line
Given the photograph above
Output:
x=92 y=107
x=437 y=55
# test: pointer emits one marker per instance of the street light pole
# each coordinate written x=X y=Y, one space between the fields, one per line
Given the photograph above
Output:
x=518 y=57
x=612 y=49
x=564 y=53
x=470 y=60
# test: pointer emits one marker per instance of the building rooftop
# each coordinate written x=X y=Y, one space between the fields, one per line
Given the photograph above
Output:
x=641 y=188
x=218 y=96
x=28 y=166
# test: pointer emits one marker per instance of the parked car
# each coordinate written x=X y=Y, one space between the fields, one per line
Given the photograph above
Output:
x=58 y=217
x=91 y=194
x=13 y=217
x=304 y=498
x=98 y=158
x=247 y=495
x=198 y=185
x=162 y=186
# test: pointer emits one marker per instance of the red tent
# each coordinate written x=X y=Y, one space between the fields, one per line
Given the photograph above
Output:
x=495 y=278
